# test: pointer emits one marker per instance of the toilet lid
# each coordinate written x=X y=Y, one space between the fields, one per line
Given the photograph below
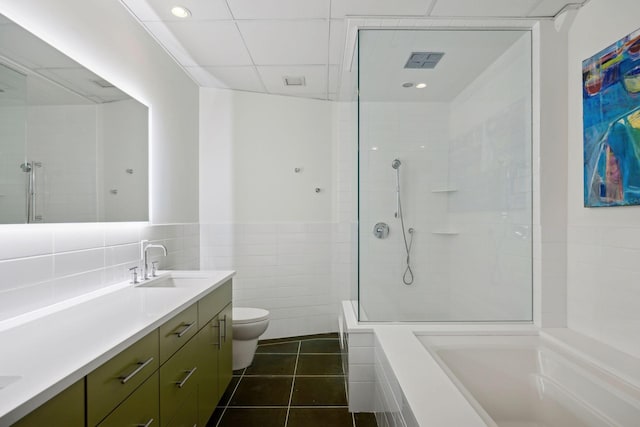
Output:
x=249 y=315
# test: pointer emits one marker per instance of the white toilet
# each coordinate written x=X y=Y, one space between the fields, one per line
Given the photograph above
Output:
x=248 y=325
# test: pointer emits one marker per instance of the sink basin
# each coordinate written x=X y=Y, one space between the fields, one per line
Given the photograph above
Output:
x=7 y=380
x=176 y=282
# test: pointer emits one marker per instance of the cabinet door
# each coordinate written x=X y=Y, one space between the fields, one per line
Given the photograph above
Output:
x=139 y=409
x=225 y=355
x=186 y=414
x=64 y=410
x=208 y=348
x=179 y=378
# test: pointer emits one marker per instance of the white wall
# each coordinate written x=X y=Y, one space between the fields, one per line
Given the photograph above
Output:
x=43 y=264
x=250 y=145
x=603 y=244
x=261 y=218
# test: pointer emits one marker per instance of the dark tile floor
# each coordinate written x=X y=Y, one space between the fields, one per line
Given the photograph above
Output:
x=293 y=382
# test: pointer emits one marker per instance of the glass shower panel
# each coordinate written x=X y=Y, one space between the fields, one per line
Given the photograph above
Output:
x=444 y=175
x=13 y=180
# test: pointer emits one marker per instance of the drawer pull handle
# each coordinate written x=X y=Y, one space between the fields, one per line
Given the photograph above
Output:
x=184 y=381
x=184 y=331
x=147 y=424
x=141 y=366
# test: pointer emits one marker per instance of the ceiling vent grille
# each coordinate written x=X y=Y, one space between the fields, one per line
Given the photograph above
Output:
x=424 y=60
x=103 y=83
x=294 y=81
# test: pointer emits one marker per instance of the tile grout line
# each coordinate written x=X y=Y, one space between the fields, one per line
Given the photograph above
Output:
x=293 y=383
x=230 y=397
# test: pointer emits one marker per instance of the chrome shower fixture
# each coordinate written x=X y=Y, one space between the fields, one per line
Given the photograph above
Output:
x=396 y=163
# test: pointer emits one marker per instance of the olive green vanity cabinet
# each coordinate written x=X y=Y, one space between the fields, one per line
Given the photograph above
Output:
x=225 y=355
x=172 y=377
x=65 y=410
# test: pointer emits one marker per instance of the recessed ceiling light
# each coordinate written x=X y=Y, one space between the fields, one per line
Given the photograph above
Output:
x=180 y=12
x=407 y=84
x=421 y=85
x=294 y=80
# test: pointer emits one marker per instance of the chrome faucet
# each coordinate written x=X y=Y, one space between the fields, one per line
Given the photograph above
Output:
x=144 y=251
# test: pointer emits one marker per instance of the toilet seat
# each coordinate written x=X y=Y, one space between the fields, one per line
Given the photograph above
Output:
x=244 y=315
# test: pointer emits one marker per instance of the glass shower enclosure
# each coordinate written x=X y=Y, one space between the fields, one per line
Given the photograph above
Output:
x=444 y=175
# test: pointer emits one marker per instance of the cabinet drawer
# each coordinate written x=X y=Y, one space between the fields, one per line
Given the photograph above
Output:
x=179 y=378
x=112 y=382
x=64 y=410
x=213 y=303
x=140 y=409
x=177 y=331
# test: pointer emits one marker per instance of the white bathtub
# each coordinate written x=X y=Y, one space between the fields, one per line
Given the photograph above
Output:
x=518 y=381
x=426 y=375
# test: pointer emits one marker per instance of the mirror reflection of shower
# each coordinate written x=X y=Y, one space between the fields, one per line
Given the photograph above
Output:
x=407 y=277
x=30 y=169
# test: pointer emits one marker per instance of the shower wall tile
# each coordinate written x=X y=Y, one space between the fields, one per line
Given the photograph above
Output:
x=45 y=264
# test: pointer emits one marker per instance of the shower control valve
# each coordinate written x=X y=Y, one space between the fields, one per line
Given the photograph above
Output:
x=381 y=230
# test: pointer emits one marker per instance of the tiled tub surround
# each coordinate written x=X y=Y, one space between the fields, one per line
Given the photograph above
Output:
x=46 y=264
x=92 y=332
x=410 y=387
x=298 y=271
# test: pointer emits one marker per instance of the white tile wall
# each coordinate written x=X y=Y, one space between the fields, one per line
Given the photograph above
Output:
x=289 y=269
x=44 y=264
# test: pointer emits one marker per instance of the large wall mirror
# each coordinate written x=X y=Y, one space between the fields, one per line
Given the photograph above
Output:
x=73 y=148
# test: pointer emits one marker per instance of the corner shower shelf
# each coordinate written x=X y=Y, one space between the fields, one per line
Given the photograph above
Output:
x=445 y=232
x=444 y=190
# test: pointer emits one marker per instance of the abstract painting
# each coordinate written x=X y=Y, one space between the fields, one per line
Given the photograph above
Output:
x=611 y=121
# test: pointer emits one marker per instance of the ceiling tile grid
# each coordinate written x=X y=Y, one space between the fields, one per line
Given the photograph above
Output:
x=251 y=45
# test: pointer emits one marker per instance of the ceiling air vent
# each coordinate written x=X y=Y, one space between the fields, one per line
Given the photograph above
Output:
x=293 y=81
x=103 y=83
x=424 y=60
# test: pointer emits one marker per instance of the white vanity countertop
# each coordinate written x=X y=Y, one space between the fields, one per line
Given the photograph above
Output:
x=56 y=350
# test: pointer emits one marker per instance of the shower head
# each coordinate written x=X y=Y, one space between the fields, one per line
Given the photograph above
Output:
x=396 y=164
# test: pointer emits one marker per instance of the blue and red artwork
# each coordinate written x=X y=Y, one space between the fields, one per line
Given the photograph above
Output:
x=611 y=120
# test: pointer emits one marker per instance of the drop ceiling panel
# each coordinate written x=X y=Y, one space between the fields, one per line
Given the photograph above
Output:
x=238 y=78
x=548 y=8
x=472 y=8
x=342 y=8
x=286 y=42
x=337 y=28
x=160 y=10
x=279 y=9
x=207 y=43
x=315 y=79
